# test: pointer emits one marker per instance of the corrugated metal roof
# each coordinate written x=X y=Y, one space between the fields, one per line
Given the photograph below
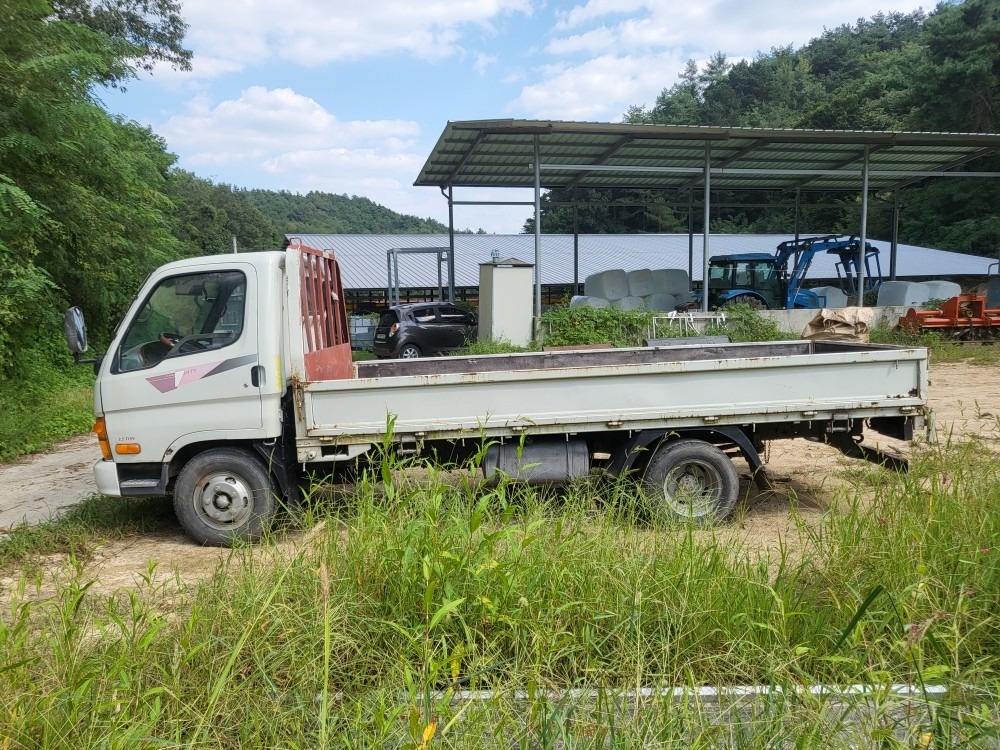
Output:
x=500 y=153
x=364 y=266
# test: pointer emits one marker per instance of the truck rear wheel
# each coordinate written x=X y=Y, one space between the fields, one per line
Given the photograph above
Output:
x=224 y=496
x=691 y=480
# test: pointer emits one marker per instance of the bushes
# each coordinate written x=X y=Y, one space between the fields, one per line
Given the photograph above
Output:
x=49 y=399
x=565 y=326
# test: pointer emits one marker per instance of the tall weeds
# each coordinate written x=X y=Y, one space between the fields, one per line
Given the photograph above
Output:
x=435 y=611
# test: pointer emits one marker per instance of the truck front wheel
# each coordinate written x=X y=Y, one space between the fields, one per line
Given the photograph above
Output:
x=691 y=480
x=224 y=496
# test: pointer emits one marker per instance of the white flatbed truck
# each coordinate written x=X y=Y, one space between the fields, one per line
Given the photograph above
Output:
x=230 y=374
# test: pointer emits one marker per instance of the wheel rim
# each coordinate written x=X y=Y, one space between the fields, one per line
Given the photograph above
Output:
x=224 y=500
x=409 y=352
x=749 y=299
x=692 y=489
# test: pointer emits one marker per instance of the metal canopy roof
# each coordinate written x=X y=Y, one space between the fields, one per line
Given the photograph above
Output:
x=501 y=153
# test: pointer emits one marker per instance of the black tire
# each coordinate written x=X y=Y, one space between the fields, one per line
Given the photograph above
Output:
x=691 y=480
x=224 y=496
x=749 y=299
x=409 y=351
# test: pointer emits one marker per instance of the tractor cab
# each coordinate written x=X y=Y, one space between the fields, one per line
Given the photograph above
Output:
x=750 y=278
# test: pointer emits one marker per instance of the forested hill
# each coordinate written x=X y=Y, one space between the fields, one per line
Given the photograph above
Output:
x=326 y=213
x=206 y=217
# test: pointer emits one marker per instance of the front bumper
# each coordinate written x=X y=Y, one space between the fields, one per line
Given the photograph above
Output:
x=106 y=478
x=131 y=480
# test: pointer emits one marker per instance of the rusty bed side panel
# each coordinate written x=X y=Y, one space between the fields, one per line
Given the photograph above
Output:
x=326 y=340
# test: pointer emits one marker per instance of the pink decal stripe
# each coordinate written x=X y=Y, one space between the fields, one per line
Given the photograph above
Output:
x=172 y=380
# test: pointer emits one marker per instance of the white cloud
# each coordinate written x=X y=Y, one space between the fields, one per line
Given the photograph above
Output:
x=266 y=123
x=610 y=54
x=286 y=141
x=311 y=33
x=736 y=27
x=598 y=89
x=596 y=40
x=594 y=9
x=484 y=62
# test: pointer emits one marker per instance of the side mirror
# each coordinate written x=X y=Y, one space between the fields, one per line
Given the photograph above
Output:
x=75 y=330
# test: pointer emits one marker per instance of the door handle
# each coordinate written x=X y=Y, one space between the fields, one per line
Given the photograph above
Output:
x=257 y=375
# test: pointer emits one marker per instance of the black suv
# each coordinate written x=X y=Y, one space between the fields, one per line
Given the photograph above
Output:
x=423 y=328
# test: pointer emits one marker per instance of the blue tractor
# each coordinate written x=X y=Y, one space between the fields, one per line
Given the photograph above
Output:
x=764 y=281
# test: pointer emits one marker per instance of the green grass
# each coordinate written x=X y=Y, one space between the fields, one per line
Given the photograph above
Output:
x=942 y=348
x=411 y=592
x=417 y=590
x=42 y=409
x=81 y=529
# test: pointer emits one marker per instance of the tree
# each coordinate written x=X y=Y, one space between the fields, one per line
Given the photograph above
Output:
x=207 y=217
x=84 y=216
x=892 y=72
x=326 y=213
x=151 y=31
x=606 y=212
x=956 y=81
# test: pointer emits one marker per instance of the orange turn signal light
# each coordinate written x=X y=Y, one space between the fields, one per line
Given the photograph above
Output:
x=101 y=430
x=128 y=449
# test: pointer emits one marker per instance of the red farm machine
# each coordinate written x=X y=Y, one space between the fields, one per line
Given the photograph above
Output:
x=965 y=318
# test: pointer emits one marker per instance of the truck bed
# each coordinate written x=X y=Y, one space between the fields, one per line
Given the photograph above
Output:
x=612 y=389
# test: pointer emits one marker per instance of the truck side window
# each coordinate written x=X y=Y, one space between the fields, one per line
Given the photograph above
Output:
x=184 y=315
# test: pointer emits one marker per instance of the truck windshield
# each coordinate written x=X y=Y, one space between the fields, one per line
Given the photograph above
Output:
x=184 y=315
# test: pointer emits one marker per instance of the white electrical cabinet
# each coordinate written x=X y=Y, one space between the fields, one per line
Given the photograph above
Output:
x=505 y=301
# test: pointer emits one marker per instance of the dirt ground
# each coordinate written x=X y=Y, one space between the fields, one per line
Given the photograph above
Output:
x=805 y=475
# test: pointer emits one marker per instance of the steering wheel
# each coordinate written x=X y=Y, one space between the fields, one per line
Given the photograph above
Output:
x=184 y=344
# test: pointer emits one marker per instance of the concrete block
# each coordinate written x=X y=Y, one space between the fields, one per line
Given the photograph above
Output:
x=640 y=283
x=629 y=303
x=660 y=301
x=940 y=289
x=584 y=301
x=611 y=285
x=902 y=294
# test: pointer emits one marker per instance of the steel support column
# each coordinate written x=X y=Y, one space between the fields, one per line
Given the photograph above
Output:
x=576 y=246
x=894 y=242
x=690 y=234
x=705 y=229
x=864 y=230
x=798 y=198
x=538 y=236
x=451 y=247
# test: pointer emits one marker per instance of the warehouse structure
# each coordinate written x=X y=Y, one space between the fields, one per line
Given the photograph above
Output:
x=369 y=275
x=693 y=162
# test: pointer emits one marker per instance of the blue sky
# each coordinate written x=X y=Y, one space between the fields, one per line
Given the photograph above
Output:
x=349 y=97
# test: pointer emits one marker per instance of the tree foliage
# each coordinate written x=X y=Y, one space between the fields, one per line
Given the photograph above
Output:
x=150 y=31
x=91 y=203
x=894 y=71
x=80 y=190
x=327 y=213
x=208 y=217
